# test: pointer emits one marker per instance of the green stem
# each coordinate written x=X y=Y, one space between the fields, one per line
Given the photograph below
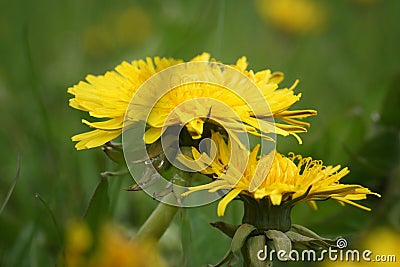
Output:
x=160 y=219
x=157 y=223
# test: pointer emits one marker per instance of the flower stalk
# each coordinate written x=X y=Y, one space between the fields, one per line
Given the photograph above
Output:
x=160 y=219
x=157 y=223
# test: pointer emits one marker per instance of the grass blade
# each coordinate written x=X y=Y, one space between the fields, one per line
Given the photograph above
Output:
x=14 y=182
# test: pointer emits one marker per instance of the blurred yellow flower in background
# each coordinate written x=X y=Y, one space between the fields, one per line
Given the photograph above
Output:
x=383 y=242
x=78 y=242
x=125 y=28
x=112 y=248
x=97 y=40
x=293 y=16
x=132 y=26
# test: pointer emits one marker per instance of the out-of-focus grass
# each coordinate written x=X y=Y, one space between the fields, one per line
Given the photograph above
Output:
x=47 y=46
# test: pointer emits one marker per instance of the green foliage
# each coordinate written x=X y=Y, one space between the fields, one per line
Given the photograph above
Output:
x=97 y=212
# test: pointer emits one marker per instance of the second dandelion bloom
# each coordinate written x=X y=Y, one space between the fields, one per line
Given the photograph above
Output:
x=276 y=180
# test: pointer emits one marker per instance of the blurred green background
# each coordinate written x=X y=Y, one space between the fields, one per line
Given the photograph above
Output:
x=349 y=70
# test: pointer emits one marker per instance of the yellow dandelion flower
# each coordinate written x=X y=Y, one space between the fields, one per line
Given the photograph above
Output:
x=289 y=180
x=108 y=96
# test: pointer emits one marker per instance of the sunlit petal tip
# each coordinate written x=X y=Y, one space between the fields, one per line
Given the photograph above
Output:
x=202 y=57
x=78 y=146
x=313 y=205
x=277 y=77
x=294 y=85
x=242 y=64
x=298 y=138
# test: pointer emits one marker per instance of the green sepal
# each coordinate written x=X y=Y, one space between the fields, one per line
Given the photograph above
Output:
x=307 y=232
x=240 y=238
x=303 y=237
x=302 y=241
x=280 y=241
x=250 y=251
x=234 y=254
x=114 y=152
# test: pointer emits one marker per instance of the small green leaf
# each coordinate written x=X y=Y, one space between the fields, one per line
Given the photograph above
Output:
x=226 y=228
x=14 y=182
x=98 y=208
x=114 y=152
x=51 y=213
